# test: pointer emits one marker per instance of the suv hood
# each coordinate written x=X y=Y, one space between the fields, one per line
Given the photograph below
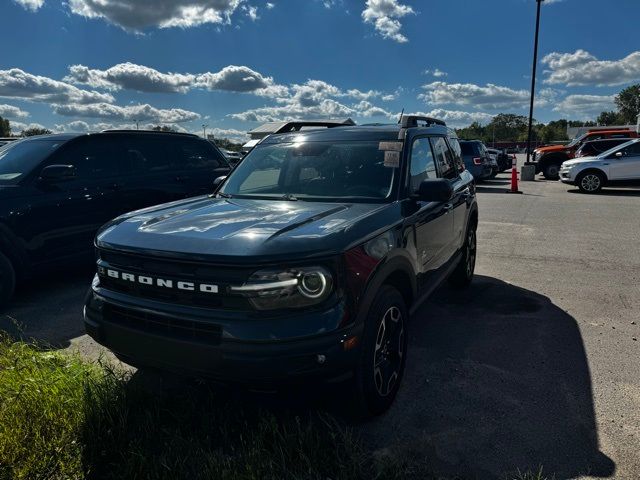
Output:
x=580 y=161
x=240 y=230
x=551 y=148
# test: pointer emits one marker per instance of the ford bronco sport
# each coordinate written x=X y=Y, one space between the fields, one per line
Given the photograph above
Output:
x=305 y=263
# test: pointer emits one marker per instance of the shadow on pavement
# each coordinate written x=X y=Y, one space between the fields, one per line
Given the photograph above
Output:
x=497 y=380
x=611 y=192
x=48 y=308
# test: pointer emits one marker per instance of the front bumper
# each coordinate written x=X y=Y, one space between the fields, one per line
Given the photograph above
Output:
x=567 y=175
x=235 y=349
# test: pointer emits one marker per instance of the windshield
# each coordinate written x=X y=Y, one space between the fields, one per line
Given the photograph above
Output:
x=577 y=140
x=353 y=171
x=17 y=159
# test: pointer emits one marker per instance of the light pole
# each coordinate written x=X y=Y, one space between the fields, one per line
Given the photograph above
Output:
x=533 y=80
x=204 y=131
x=137 y=126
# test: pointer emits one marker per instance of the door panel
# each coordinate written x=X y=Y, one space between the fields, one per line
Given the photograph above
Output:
x=627 y=167
x=65 y=216
x=197 y=164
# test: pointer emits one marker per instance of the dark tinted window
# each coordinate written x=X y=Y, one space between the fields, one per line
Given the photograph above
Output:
x=632 y=150
x=443 y=158
x=467 y=148
x=422 y=163
x=456 y=151
x=192 y=153
x=93 y=157
x=19 y=158
x=145 y=154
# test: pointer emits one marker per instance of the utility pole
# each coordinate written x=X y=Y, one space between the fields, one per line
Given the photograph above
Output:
x=204 y=131
x=137 y=126
x=533 y=80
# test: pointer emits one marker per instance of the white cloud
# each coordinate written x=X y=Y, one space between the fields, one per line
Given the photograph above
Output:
x=384 y=15
x=251 y=11
x=130 y=113
x=489 y=96
x=235 y=78
x=33 y=5
x=12 y=112
x=456 y=118
x=230 y=133
x=585 y=106
x=129 y=76
x=315 y=99
x=270 y=5
x=16 y=83
x=141 y=14
x=436 y=73
x=583 y=68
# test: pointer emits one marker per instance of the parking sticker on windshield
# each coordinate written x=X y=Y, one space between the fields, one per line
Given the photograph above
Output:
x=390 y=146
x=392 y=159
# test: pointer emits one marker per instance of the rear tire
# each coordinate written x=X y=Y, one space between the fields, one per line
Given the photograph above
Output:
x=463 y=274
x=7 y=280
x=383 y=354
x=590 y=182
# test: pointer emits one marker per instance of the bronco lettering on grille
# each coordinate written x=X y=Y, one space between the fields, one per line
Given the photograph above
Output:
x=158 y=282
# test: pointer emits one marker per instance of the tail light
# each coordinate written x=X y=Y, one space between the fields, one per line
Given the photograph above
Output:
x=477 y=160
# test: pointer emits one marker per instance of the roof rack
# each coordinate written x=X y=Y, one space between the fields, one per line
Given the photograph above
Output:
x=408 y=121
x=131 y=130
x=296 y=126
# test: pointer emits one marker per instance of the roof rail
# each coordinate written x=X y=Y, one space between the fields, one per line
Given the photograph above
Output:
x=132 y=130
x=408 y=121
x=296 y=126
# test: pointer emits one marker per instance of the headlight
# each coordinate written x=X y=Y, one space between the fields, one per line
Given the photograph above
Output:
x=294 y=288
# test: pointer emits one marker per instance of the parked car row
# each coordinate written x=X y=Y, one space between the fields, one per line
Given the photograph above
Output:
x=483 y=162
x=549 y=159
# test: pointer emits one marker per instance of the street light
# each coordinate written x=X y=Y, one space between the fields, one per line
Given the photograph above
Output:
x=533 y=80
x=204 y=131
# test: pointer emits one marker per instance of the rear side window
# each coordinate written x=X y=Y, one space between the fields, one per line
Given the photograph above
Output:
x=422 y=163
x=93 y=157
x=443 y=158
x=456 y=151
x=467 y=148
x=146 y=154
x=195 y=154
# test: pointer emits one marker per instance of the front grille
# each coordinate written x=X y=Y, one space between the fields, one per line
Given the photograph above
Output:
x=174 y=270
x=175 y=328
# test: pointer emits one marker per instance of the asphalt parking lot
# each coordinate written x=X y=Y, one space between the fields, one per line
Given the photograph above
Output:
x=535 y=365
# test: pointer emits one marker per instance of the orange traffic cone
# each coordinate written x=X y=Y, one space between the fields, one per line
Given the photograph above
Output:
x=514 y=181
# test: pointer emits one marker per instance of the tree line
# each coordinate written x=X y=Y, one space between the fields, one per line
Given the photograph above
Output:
x=507 y=127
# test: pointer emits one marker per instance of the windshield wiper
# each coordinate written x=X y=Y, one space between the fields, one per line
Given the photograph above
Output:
x=290 y=196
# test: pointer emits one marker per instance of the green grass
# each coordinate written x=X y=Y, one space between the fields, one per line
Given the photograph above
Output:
x=64 y=418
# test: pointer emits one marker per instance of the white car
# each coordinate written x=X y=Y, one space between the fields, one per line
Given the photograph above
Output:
x=618 y=166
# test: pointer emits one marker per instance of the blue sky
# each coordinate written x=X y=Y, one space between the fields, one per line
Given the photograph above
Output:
x=80 y=65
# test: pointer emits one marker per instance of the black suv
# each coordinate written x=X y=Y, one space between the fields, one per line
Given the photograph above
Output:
x=57 y=190
x=305 y=264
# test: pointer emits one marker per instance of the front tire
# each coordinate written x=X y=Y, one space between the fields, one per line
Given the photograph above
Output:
x=551 y=171
x=590 y=182
x=463 y=274
x=7 y=279
x=383 y=354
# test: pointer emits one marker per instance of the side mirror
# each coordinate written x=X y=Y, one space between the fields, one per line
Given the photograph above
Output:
x=218 y=181
x=434 y=190
x=619 y=154
x=58 y=173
